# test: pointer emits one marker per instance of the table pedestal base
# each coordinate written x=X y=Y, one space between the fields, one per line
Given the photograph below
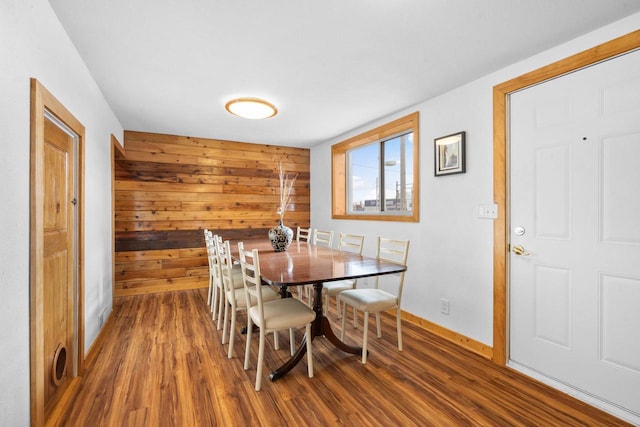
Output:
x=321 y=327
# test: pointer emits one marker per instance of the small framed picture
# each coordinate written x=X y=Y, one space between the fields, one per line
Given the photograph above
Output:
x=449 y=154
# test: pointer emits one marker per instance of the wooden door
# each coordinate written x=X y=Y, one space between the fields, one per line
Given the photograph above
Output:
x=56 y=255
x=575 y=231
x=59 y=257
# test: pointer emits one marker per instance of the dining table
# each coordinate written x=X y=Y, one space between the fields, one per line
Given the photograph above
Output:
x=304 y=263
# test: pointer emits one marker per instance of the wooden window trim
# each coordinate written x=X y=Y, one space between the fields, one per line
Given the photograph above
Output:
x=339 y=169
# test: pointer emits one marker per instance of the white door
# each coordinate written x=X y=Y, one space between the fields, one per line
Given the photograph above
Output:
x=574 y=299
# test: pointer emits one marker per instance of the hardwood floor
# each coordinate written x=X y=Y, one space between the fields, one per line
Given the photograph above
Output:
x=161 y=364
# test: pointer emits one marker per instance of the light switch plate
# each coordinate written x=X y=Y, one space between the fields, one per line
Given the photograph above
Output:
x=444 y=306
x=488 y=211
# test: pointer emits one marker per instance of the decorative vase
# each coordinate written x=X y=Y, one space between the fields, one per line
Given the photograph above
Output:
x=280 y=237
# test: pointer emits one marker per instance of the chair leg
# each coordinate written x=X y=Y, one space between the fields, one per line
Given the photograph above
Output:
x=232 y=332
x=355 y=318
x=214 y=301
x=310 y=293
x=276 y=340
x=292 y=341
x=399 y=327
x=260 y=359
x=309 y=356
x=364 y=337
x=378 y=325
x=338 y=311
x=325 y=305
x=247 y=349
x=225 y=328
x=209 y=293
x=222 y=301
x=344 y=320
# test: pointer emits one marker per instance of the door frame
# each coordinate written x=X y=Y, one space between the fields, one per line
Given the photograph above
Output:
x=501 y=92
x=116 y=150
x=42 y=100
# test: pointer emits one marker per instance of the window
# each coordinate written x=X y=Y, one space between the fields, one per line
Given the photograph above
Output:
x=375 y=174
x=381 y=171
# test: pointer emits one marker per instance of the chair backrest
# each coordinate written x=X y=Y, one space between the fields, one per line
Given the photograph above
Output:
x=214 y=260
x=322 y=238
x=217 y=239
x=350 y=243
x=395 y=251
x=304 y=234
x=208 y=238
x=226 y=264
x=250 y=265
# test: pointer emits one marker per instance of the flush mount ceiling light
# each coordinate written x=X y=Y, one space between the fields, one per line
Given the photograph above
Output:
x=251 y=108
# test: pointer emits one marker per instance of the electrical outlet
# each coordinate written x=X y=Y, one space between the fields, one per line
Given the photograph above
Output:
x=444 y=306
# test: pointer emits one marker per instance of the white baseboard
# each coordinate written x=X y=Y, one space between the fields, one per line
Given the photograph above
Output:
x=609 y=407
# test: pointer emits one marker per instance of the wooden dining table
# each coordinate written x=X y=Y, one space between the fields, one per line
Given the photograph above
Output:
x=303 y=263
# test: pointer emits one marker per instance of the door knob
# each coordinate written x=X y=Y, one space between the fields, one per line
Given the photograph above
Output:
x=519 y=250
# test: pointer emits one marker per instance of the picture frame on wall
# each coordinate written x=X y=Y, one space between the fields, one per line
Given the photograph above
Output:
x=449 y=154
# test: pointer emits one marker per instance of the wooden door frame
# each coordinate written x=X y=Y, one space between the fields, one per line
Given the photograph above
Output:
x=501 y=93
x=116 y=147
x=42 y=100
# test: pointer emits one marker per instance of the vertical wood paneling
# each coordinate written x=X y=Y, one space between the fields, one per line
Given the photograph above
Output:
x=169 y=188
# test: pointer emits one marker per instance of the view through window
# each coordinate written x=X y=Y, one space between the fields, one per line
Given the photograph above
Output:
x=380 y=176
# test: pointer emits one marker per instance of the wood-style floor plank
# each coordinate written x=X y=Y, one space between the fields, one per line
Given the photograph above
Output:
x=161 y=363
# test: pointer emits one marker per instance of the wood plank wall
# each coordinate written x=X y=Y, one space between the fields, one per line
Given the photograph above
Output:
x=169 y=188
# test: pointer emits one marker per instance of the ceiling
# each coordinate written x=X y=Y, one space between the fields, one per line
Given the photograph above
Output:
x=169 y=66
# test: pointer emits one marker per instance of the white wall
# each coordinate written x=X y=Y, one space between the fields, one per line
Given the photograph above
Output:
x=451 y=249
x=34 y=44
x=451 y=252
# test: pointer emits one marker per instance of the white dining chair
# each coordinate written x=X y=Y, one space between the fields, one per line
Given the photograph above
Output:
x=348 y=243
x=304 y=234
x=270 y=316
x=375 y=300
x=234 y=292
x=208 y=237
x=215 y=278
x=322 y=238
x=318 y=238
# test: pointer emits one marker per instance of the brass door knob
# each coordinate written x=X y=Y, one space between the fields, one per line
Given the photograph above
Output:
x=519 y=250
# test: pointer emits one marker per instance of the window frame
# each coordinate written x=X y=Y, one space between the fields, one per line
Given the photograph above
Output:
x=339 y=186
